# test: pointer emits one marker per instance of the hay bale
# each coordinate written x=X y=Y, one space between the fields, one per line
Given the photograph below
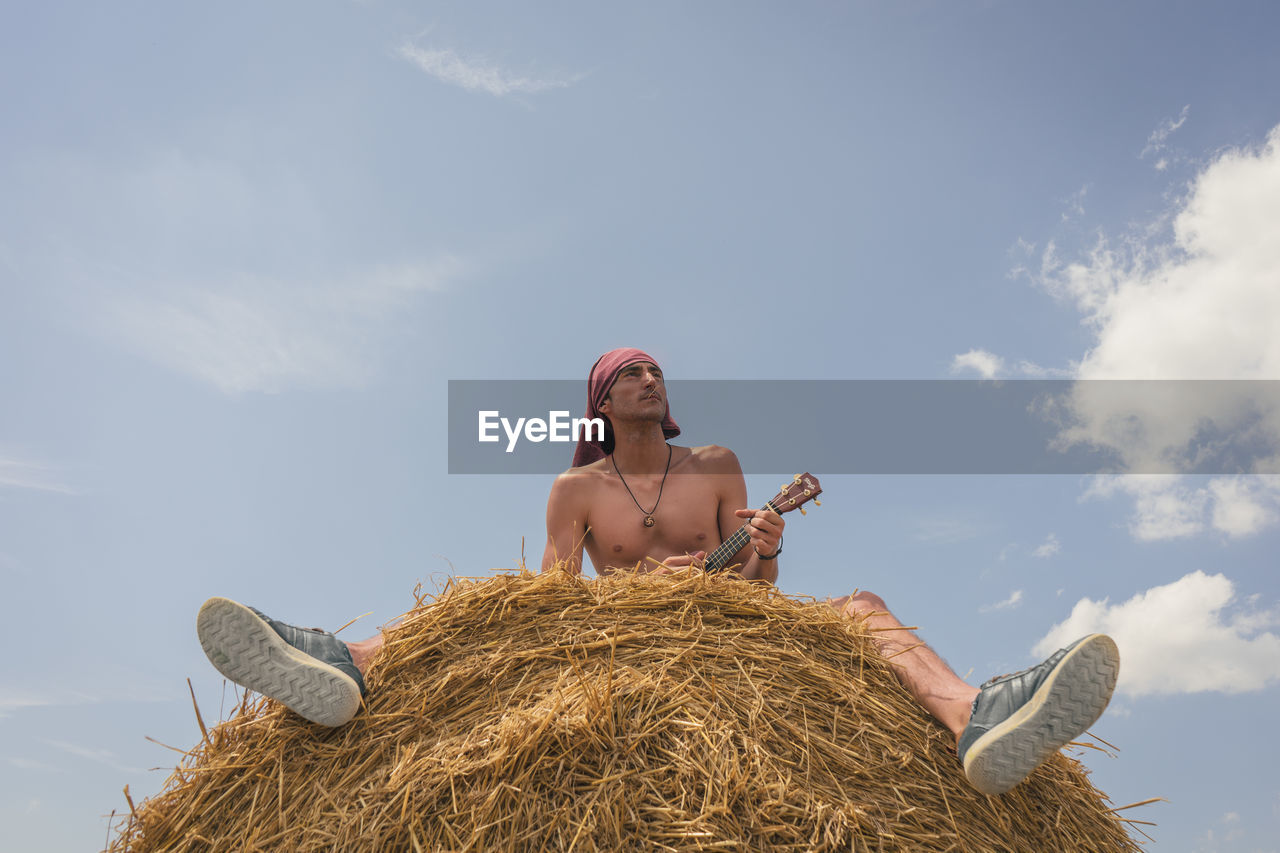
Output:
x=544 y=711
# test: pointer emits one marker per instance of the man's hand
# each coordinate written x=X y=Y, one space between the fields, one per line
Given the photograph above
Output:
x=765 y=529
x=670 y=564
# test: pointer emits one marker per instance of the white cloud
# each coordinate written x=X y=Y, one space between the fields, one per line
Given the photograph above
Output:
x=1014 y=599
x=1234 y=831
x=18 y=473
x=946 y=530
x=96 y=754
x=985 y=364
x=1165 y=507
x=223 y=260
x=478 y=75
x=30 y=764
x=261 y=334
x=91 y=753
x=1203 y=305
x=1159 y=136
x=15 y=699
x=1169 y=507
x=1193 y=296
x=1048 y=548
x=1207 y=304
x=1075 y=204
x=1244 y=505
x=988 y=365
x=1031 y=370
x=1183 y=637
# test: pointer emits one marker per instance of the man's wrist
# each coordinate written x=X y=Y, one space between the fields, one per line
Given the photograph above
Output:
x=772 y=556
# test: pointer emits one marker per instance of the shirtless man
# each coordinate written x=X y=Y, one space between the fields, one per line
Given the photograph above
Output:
x=634 y=499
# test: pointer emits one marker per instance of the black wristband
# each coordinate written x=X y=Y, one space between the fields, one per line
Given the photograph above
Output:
x=772 y=556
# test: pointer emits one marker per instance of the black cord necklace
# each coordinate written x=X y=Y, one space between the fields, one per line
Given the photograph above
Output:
x=649 y=520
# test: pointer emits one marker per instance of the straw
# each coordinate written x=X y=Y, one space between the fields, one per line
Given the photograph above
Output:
x=551 y=712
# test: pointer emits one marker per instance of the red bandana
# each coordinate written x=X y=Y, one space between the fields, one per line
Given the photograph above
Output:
x=603 y=374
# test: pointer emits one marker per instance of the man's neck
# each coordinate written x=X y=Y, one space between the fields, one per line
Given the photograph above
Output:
x=641 y=449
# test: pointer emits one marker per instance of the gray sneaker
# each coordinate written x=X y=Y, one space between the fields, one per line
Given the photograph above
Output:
x=1020 y=720
x=309 y=670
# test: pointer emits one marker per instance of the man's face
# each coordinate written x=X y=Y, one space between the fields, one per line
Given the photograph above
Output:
x=637 y=392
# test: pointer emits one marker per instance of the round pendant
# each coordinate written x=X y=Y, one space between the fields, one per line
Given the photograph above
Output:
x=649 y=521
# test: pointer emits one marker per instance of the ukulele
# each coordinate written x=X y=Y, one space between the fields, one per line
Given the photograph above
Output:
x=794 y=495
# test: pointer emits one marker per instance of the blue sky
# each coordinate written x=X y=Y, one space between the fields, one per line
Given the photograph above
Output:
x=244 y=247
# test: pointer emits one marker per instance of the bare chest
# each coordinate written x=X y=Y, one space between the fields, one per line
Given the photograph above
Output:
x=685 y=520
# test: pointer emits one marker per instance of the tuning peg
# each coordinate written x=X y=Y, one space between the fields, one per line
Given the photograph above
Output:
x=817 y=502
x=802 y=512
x=796 y=479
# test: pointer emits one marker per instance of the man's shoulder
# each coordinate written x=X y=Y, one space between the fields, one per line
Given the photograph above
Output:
x=583 y=475
x=714 y=459
x=574 y=490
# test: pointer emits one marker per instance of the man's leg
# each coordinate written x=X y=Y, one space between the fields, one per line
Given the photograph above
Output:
x=309 y=670
x=363 y=652
x=1013 y=723
x=925 y=675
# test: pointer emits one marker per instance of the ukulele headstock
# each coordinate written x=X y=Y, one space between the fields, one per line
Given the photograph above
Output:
x=794 y=495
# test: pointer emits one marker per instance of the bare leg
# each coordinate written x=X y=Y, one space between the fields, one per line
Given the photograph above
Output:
x=1021 y=720
x=363 y=652
x=925 y=675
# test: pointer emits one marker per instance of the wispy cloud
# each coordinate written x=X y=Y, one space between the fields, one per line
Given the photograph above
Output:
x=14 y=699
x=10 y=702
x=988 y=365
x=95 y=754
x=1182 y=637
x=1048 y=548
x=1074 y=204
x=254 y=333
x=18 y=473
x=478 y=75
x=228 y=267
x=1157 y=142
x=31 y=764
x=946 y=530
x=1014 y=599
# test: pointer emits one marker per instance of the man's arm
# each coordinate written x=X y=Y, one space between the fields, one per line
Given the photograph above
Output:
x=566 y=522
x=766 y=527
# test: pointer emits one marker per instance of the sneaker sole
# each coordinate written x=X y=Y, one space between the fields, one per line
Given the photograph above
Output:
x=1071 y=699
x=246 y=650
